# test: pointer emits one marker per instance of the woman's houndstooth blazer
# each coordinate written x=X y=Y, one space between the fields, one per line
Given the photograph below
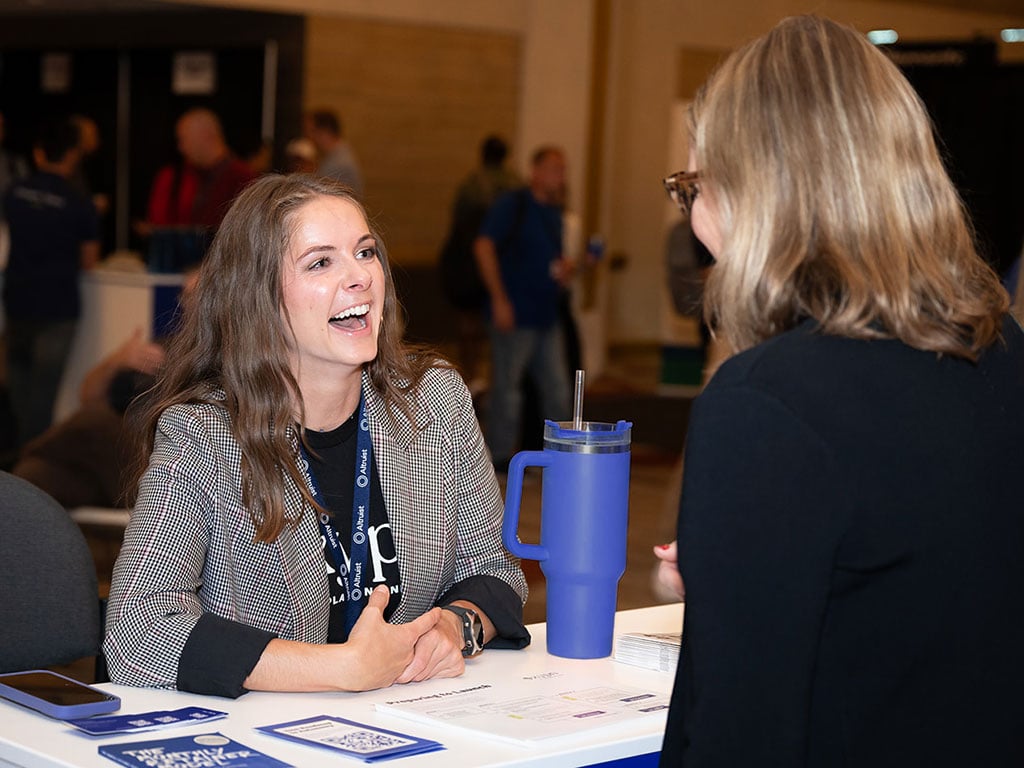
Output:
x=189 y=547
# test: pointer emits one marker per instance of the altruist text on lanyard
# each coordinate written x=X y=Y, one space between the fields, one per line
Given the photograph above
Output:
x=353 y=572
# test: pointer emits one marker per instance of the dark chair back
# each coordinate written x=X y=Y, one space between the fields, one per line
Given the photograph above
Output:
x=49 y=606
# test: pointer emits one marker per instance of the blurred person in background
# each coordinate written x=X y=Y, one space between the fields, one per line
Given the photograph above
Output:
x=460 y=278
x=88 y=146
x=85 y=459
x=337 y=159
x=54 y=236
x=12 y=168
x=197 y=191
x=189 y=198
x=300 y=156
x=520 y=257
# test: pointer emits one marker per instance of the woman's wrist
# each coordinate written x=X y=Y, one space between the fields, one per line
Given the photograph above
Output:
x=288 y=665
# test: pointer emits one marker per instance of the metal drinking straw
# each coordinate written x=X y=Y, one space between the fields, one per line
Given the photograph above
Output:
x=577 y=403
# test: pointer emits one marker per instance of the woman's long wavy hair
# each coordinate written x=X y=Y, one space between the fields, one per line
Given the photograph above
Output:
x=232 y=345
x=819 y=161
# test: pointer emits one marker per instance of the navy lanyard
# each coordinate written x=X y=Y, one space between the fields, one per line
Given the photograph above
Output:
x=352 y=570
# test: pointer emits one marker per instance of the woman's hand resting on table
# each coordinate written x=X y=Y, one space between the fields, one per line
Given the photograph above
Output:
x=375 y=655
x=668 y=569
x=388 y=650
x=438 y=652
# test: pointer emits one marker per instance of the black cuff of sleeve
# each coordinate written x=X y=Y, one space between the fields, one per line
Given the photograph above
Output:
x=501 y=604
x=218 y=655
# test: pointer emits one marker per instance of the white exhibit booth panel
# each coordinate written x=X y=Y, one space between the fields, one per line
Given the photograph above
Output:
x=114 y=304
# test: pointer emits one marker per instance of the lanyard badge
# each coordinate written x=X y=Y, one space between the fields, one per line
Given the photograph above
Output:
x=352 y=569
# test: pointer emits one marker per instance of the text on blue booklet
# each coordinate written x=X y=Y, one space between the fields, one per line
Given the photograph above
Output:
x=210 y=750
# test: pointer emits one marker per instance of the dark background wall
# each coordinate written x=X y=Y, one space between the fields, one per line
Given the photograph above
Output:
x=977 y=106
x=111 y=51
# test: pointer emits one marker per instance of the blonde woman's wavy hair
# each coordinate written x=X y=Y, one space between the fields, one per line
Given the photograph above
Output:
x=820 y=163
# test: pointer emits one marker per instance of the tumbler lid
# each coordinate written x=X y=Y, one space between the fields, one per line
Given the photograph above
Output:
x=592 y=437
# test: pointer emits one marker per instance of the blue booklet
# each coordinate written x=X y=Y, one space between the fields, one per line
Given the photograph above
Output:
x=363 y=742
x=188 y=752
x=145 y=721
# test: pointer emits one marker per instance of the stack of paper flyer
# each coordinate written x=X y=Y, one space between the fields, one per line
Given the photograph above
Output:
x=657 y=651
x=529 y=709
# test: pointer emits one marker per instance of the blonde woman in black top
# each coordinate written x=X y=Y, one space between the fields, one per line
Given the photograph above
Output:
x=850 y=534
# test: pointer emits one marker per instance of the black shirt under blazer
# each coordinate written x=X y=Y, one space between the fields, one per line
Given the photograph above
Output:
x=852 y=541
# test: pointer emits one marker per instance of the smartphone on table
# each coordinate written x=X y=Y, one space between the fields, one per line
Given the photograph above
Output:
x=56 y=695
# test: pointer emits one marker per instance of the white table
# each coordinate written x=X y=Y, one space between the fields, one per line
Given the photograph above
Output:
x=32 y=740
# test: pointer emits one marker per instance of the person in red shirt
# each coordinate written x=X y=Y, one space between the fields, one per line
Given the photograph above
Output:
x=188 y=199
x=198 y=191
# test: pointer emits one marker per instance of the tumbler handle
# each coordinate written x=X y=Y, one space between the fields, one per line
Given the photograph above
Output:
x=513 y=497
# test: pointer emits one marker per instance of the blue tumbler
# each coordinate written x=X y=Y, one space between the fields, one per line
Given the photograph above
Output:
x=584 y=516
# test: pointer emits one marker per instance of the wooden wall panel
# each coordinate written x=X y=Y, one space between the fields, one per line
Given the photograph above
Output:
x=693 y=66
x=415 y=101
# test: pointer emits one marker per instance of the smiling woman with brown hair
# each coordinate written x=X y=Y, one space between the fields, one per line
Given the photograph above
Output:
x=314 y=490
x=848 y=536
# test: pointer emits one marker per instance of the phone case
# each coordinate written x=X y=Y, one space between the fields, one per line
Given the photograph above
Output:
x=106 y=702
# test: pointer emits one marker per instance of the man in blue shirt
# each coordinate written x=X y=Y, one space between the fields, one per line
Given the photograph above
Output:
x=519 y=254
x=53 y=231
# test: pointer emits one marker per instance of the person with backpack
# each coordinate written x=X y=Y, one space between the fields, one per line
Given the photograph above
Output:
x=519 y=254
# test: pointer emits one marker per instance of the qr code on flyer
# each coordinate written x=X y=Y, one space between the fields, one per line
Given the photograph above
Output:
x=365 y=741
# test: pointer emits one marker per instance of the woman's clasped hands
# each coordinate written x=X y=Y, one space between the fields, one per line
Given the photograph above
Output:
x=430 y=646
